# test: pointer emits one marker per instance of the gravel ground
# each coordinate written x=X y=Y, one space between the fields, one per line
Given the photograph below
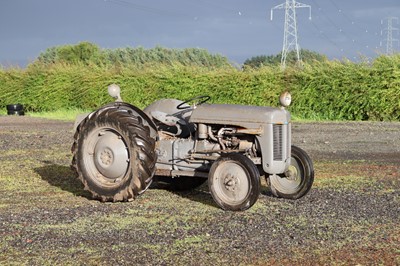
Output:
x=350 y=217
x=370 y=141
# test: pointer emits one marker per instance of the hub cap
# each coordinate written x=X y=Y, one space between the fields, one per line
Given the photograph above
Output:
x=231 y=183
x=291 y=181
x=107 y=155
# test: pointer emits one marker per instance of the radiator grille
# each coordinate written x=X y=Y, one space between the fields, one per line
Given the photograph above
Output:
x=278 y=142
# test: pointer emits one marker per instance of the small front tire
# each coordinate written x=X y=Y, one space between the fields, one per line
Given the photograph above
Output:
x=297 y=181
x=234 y=182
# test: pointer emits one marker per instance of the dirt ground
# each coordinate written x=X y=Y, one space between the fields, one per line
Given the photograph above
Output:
x=350 y=217
x=370 y=141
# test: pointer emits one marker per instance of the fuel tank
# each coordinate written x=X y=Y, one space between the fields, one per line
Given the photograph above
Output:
x=239 y=115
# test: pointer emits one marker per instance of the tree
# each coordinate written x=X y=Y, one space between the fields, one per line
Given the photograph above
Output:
x=84 y=52
x=88 y=53
x=274 y=60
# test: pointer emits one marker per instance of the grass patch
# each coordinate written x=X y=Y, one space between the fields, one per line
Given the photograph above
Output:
x=349 y=182
x=71 y=114
x=63 y=114
x=356 y=175
x=60 y=114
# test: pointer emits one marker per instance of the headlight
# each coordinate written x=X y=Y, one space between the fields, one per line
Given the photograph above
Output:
x=285 y=99
x=114 y=91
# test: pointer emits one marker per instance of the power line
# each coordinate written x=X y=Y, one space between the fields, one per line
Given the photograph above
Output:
x=322 y=34
x=356 y=39
x=147 y=9
x=221 y=7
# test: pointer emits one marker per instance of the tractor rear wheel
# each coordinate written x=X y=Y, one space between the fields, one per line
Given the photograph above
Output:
x=114 y=154
x=234 y=182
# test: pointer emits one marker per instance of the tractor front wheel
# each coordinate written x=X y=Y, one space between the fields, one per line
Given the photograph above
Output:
x=297 y=181
x=234 y=182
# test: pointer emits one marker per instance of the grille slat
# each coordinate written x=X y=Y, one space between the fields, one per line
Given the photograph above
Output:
x=278 y=142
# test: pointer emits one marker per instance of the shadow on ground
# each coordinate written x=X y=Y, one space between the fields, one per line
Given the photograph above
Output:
x=63 y=177
x=199 y=193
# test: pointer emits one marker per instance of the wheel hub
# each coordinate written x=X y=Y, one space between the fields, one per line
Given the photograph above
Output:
x=106 y=157
x=111 y=156
x=231 y=182
x=292 y=173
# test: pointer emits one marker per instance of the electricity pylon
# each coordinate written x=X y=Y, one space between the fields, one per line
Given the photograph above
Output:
x=389 y=37
x=290 y=29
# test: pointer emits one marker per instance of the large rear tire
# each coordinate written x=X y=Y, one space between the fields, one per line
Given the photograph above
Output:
x=114 y=154
x=297 y=181
x=234 y=182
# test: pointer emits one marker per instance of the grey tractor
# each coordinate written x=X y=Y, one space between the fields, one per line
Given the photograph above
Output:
x=119 y=150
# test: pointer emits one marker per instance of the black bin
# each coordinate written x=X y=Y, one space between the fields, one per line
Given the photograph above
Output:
x=15 y=109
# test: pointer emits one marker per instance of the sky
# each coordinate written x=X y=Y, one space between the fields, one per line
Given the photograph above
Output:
x=237 y=29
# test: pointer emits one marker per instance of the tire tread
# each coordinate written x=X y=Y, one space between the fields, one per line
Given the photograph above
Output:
x=139 y=134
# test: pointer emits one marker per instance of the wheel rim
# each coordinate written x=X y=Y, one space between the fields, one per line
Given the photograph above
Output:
x=106 y=156
x=231 y=183
x=292 y=180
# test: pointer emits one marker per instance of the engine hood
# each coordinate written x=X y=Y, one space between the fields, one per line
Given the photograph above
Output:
x=239 y=115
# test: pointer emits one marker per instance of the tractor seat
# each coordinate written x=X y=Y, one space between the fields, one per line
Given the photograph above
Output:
x=169 y=119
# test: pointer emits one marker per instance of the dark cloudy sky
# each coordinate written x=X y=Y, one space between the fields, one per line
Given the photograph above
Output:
x=238 y=29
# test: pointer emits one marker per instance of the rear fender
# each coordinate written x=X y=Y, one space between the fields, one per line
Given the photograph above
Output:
x=124 y=106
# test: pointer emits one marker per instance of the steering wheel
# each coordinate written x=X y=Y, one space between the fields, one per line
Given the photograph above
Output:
x=195 y=100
